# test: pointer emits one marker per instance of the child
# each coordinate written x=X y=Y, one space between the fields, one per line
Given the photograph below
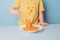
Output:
x=29 y=9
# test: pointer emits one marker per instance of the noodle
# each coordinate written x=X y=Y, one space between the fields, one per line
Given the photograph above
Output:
x=30 y=27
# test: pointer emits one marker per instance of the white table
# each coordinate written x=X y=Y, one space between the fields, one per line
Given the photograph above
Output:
x=52 y=32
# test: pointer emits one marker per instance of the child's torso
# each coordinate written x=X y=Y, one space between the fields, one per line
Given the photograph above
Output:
x=29 y=10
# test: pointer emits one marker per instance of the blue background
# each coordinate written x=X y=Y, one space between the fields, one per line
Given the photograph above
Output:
x=51 y=14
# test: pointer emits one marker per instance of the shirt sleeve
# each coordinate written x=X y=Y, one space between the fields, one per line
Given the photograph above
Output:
x=16 y=4
x=41 y=7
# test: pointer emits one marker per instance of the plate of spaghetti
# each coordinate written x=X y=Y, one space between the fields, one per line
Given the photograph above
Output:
x=30 y=28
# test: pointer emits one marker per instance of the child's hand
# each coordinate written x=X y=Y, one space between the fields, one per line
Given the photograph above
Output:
x=44 y=24
x=18 y=14
x=14 y=11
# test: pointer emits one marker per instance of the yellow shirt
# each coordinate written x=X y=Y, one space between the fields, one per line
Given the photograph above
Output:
x=29 y=9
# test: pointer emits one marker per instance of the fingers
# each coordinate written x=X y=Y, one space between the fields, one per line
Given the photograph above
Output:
x=44 y=24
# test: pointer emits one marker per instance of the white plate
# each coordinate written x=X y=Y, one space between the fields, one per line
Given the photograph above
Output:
x=22 y=26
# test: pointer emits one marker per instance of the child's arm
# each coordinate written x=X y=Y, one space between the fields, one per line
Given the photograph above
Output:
x=41 y=18
x=14 y=7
